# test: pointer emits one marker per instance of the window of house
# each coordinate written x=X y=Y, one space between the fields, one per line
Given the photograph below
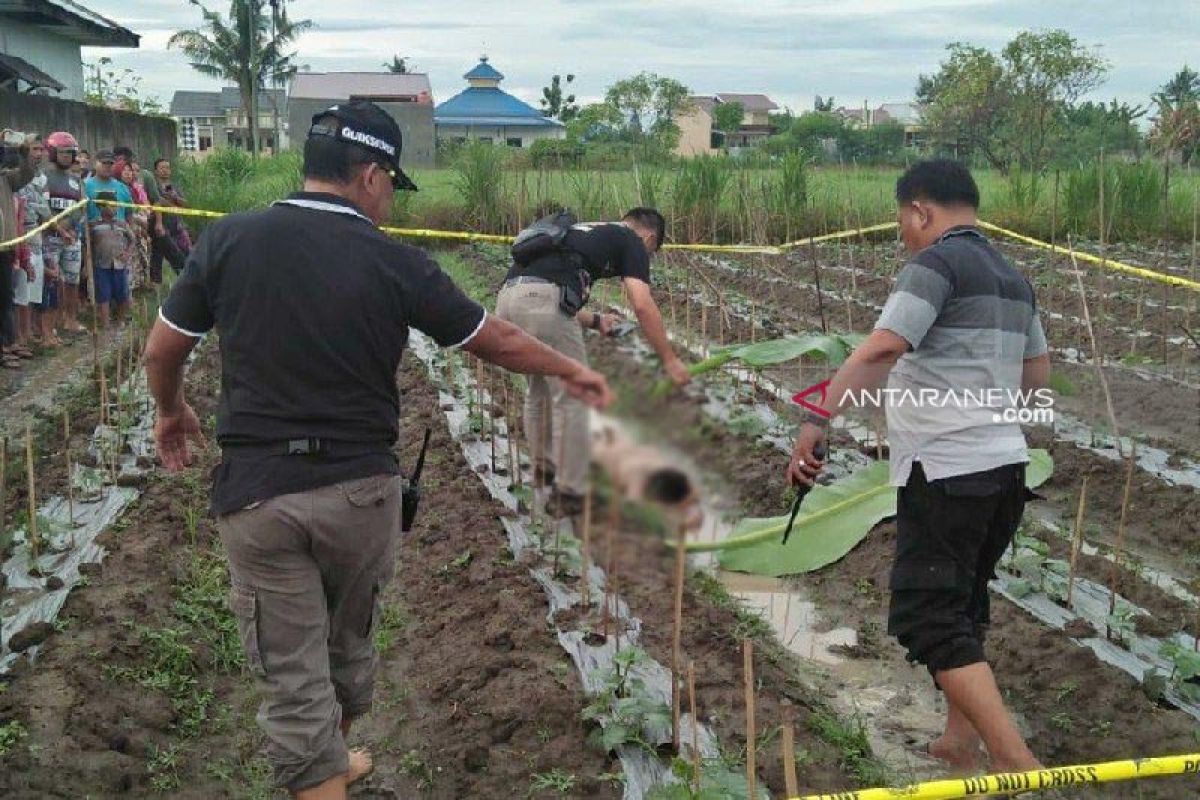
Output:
x=513 y=141
x=485 y=139
x=205 y=143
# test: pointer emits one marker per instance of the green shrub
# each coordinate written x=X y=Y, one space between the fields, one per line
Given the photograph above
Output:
x=555 y=153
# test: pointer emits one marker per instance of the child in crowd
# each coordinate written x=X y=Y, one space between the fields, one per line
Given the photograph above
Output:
x=113 y=243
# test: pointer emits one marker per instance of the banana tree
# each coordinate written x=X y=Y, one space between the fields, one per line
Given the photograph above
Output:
x=833 y=520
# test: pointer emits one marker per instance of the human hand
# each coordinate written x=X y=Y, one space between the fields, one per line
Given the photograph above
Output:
x=171 y=435
x=808 y=455
x=589 y=386
x=608 y=322
x=678 y=372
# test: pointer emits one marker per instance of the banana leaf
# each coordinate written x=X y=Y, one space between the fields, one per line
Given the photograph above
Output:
x=832 y=522
x=833 y=348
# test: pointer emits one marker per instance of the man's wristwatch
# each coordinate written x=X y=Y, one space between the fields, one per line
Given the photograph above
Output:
x=813 y=418
x=595 y=323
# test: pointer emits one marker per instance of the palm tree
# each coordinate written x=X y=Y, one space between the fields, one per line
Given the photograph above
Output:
x=398 y=66
x=1184 y=87
x=246 y=49
x=1176 y=128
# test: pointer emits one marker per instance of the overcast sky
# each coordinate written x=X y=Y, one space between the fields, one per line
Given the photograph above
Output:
x=855 y=50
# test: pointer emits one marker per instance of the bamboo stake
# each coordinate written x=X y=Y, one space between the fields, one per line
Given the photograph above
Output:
x=117 y=388
x=91 y=279
x=491 y=419
x=1097 y=356
x=610 y=579
x=1054 y=217
x=35 y=542
x=70 y=482
x=479 y=392
x=1076 y=542
x=751 y=735
x=812 y=249
x=1114 y=577
x=1187 y=314
x=697 y=767
x=585 y=586
x=687 y=317
x=103 y=397
x=3 y=484
x=677 y=633
x=558 y=522
x=788 y=746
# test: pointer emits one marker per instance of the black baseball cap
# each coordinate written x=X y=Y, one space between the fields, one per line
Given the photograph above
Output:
x=105 y=155
x=362 y=123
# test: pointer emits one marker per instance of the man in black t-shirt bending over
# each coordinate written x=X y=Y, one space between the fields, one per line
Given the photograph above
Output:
x=314 y=304
x=544 y=298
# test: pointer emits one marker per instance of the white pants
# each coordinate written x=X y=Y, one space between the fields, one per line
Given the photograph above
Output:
x=33 y=289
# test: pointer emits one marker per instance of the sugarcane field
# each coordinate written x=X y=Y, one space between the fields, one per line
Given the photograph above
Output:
x=386 y=420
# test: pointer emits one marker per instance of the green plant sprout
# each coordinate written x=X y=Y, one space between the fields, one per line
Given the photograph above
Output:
x=623 y=708
x=1120 y=624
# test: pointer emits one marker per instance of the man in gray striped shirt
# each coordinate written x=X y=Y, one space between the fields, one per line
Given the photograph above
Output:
x=960 y=347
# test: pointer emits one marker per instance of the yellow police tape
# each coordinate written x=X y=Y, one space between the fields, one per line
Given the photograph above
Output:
x=1116 y=266
x=44 y=226
x=465 y=236
x=1032 y=781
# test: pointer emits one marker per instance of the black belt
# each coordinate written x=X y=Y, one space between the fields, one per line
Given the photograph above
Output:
x=308 y=446
x=520 y=279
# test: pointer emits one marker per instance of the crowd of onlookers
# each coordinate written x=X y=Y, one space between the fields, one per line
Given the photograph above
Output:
x=44 y=280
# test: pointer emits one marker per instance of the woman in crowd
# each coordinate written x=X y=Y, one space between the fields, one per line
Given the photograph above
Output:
x=139 y=220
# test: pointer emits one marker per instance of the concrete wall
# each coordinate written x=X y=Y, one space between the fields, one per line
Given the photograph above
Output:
x=93 y=126
x=695 y=133
x=415 y=121
x=56 y=56
x=500 y=134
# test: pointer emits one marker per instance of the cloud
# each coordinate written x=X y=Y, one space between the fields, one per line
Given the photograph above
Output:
x=790 y=49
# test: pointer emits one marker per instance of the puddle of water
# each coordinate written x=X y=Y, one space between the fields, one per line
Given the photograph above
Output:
x=794 y=620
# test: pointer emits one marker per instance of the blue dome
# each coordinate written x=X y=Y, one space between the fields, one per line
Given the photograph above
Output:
x=489 y=106
x=484 y=71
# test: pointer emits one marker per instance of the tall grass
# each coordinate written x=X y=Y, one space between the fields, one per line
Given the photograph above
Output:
x=722 y=199
x=479 y=178
x=697 y=197
x=1133 y=199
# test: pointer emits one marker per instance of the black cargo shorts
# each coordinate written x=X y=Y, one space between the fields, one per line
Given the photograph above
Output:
x=950 y=533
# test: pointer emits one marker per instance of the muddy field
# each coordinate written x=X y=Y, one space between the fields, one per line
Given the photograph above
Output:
x=1160 y=520
x=138 y=689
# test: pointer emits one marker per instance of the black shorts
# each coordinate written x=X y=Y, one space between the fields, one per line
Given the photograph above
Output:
x=949 y=535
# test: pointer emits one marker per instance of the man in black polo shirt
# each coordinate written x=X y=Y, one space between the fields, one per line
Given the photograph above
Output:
x=545 y=298
x=313 y=303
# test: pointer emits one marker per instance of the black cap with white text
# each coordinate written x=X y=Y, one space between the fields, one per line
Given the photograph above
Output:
x=365 y=124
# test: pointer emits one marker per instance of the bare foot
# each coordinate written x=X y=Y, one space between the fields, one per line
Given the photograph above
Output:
x=964 y=758
x=361 y=766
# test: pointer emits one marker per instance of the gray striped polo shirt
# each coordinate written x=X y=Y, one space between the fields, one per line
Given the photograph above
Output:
x=971 y=319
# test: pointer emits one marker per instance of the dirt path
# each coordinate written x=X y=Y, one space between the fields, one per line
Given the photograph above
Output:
x=34 y=388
